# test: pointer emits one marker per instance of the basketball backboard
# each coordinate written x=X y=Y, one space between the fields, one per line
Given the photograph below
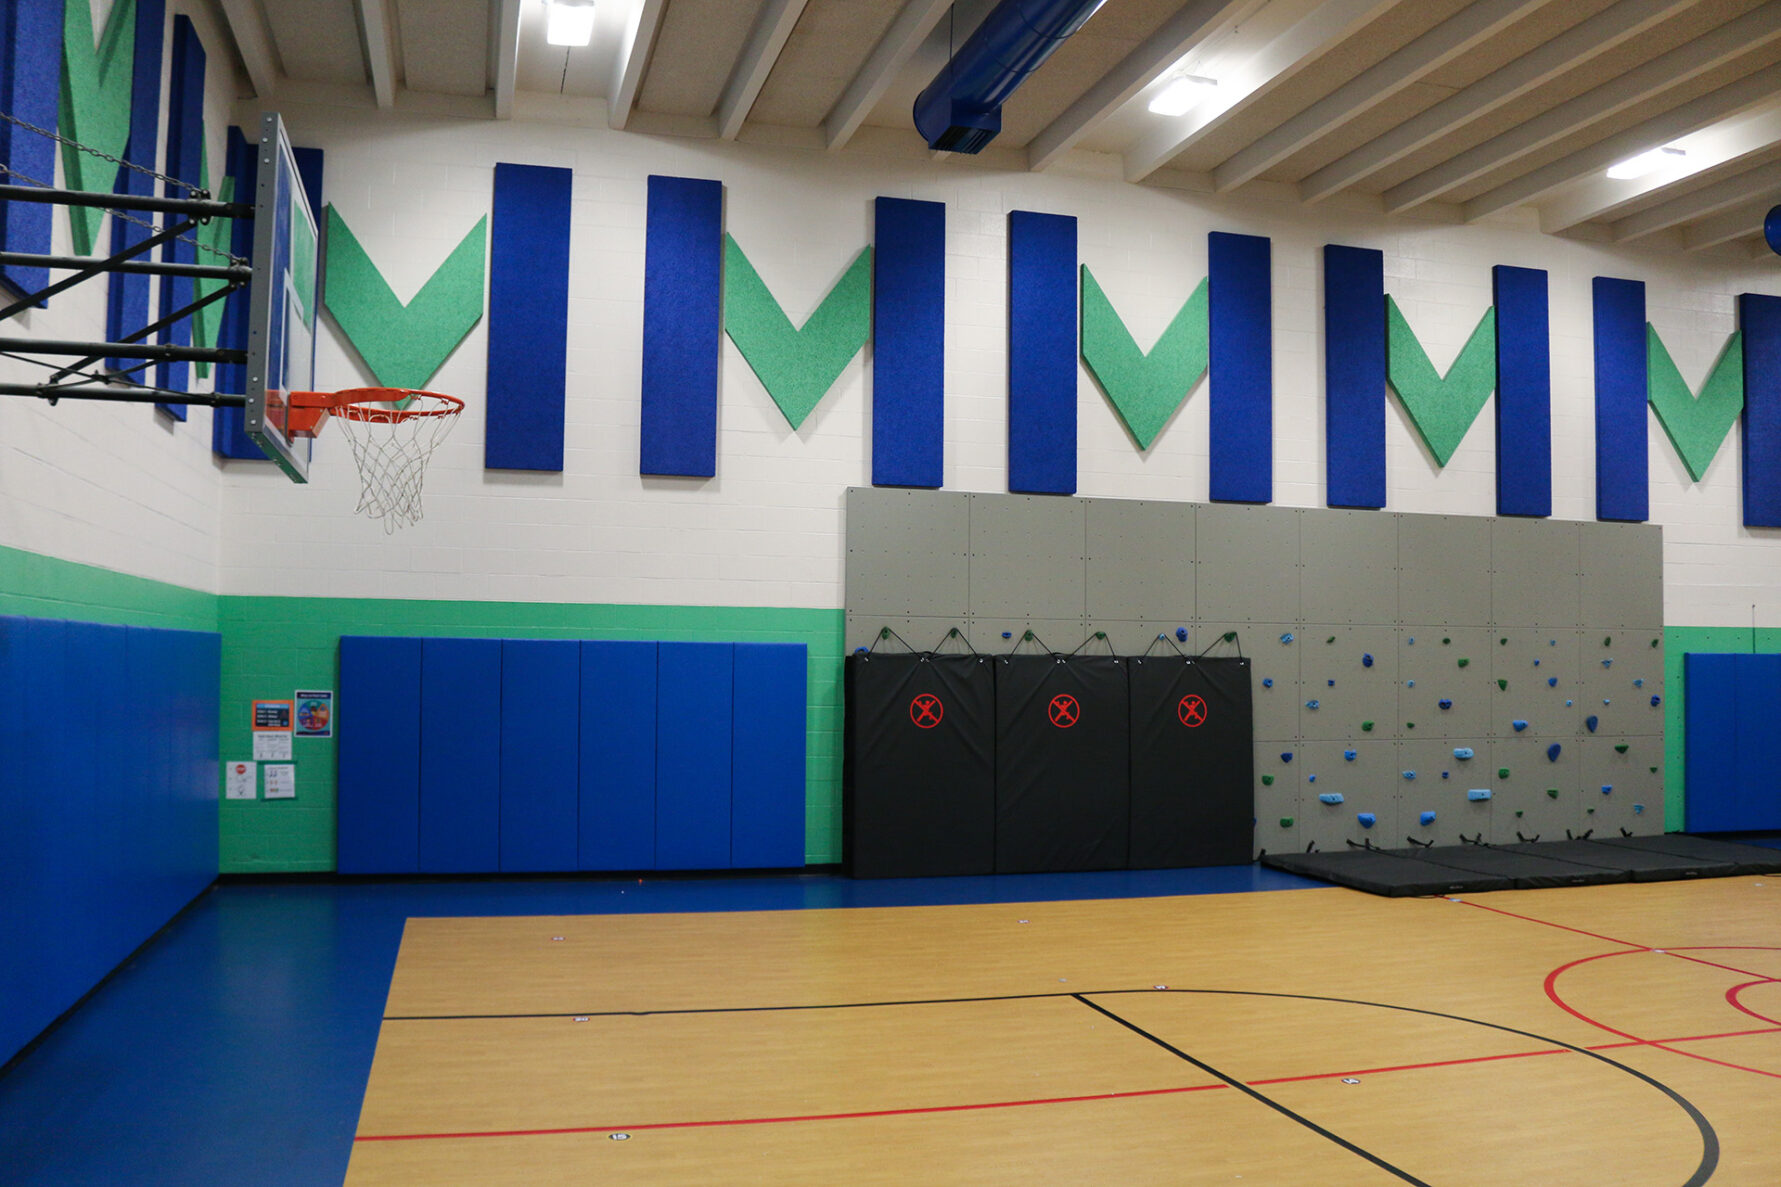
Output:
x=282 y=309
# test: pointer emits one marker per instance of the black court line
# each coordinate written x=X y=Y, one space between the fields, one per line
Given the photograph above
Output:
x=1709 y=1137
x=1262 y=1097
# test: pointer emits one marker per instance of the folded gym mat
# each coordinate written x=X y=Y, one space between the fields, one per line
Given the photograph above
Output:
x=1388 y=873
x=1523 y=867
x=1642 y=865
x=1744 y=859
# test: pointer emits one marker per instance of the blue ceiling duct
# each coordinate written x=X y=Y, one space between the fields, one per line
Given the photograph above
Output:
x=961 y=110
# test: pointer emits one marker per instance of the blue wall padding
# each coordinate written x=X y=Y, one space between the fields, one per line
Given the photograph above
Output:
x=311 y=167
x=540 y=754
x=1354 y=374
x=108 y=822
x=767 y=780
x=126 y=300
x=682 y=319
x=528 y=318
x=1622 y=474
x=228 y=437
x=693 y=759
x=908 y=342
x=379 y=776
x=1730 y=742
x=1240 y=367
x=1042 y=347
x=460 y=816
x=30 y=82
x=185 y=146
x=618 y=756
x=1524 y=391
x=1759 y=317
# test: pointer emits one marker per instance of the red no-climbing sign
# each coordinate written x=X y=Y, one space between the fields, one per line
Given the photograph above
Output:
x=926 y=710
x=1064 y=710
x=1191 y=710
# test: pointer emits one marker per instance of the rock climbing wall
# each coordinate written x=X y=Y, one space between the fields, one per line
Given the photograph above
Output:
x=1417 y=677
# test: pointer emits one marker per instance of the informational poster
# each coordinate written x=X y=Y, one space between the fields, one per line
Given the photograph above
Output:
x=272 y=731
x=315 y=713
x=281 y=781
x=241 y=780
x=272 y=747
x=272 y=715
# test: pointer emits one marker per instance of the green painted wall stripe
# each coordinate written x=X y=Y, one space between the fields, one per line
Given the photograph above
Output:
x=37 y=586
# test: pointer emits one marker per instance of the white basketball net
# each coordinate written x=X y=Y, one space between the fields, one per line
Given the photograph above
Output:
x=391 y=444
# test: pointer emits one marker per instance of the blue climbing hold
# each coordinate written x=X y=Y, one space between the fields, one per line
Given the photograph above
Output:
x=1330 y=797
x=1367 y=819
x=1311 y=778
x=1268 y=682
x=1640 y=683
x=1590 y=722
x=1446 y=704
x=1568 y=704
x=1638 y=809
x=1552 y=642
x=1350 y=755
x=1444 y=774
x=1287 y=637
x=1552 y=682
x=1478 y=793
x=1607 y=663
x=1518 y=724
x=1536 y=663
x=1412 y=640
x=1427 y=819
x=861 y=651
x=1332 y=684
x=1553 y=751
x=1606 y=701
x=1607 y=788
x=1409 y=774
x=1286 y=756
x=1409 y=684
x=1310 y=704
x=1181 y=633
x=1463 y=752
x=1007 y=634
x=1656 y=701
x=1366 y=660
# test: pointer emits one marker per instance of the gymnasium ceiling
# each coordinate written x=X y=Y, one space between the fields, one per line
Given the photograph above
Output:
x=1445 y=110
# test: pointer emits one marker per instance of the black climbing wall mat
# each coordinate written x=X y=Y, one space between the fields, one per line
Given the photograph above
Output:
x=1743 y=859
x=1063 y=799
x=1642 y=865
x=1390 y=873
x=920 y=765
x=1192 y=761
x=1527 y=867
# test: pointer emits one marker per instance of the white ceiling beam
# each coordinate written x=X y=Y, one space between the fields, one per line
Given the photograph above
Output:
x=374 y=29
x=1661 y=73
x=1153 y=58
x=1726 y=228
x=1718 y=148
x=633 y=59
x=1677 y=122
x=1464 y=30
x=505 y=47
x=774 y=26
x=1760 y=184
x=901 y=40
x=253 y=41
x=1573 y=47
x=1321 y=30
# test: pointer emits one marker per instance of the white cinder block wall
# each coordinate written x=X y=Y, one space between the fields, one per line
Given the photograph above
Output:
x=767 y=530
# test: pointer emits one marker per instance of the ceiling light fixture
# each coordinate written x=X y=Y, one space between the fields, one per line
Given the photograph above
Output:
x=1647 y=162
x=571 y=22
x=1181 y=94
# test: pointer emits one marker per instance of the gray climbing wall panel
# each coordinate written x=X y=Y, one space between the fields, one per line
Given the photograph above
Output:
x=1417 y=593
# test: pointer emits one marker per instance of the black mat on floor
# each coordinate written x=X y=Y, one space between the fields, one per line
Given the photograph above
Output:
x=1454 y=869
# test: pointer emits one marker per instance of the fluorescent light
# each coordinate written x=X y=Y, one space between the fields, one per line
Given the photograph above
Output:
x=571 y=22
x=1646 y=162
x=1180 y=95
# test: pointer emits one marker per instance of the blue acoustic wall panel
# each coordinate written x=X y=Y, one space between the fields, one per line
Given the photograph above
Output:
x=1240 y=367
x=767 y=787
x=379 y=777
x=1042 y=346
x=528 y=318
x=540 y=745
x=1730 y=742
x=682 y=320
x=1354 y=374
x=693 y=715
x=30 y=82
x=228 y=437
x=310 y=168
x=460 y=807
x=185 y=147
x=1759 y=318
x=908 y=342
x=618 y=756
x=1524 y=392
x=126 y=307
x=1622 y=389
x=33 y=842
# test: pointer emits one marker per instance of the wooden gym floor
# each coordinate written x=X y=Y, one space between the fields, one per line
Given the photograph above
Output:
x=1607 y=1035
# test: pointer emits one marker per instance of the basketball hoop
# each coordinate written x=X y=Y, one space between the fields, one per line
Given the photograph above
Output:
x=393 y=432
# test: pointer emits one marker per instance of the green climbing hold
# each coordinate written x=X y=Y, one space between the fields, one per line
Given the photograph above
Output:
x=1552 y=793
x=1620 y=748
x=1503 y=642
x=1464 y=662
x=1518 y=813
x=1409 y=725
x=1503 y=684
x=1286 y=822
x=1331 y=639
x=1607 y=640
x=1230 y=636
x=1502 y=772
x=1267 y=780
x=1589 y=811
x=1654 y=770
x=1366 y=727
x=1445 y=642
x=1654 y=642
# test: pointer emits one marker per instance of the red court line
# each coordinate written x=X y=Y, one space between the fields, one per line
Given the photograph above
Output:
x=1731 y=995
x=1549 y=923
x=1683 y=954
x=1015 y=1104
